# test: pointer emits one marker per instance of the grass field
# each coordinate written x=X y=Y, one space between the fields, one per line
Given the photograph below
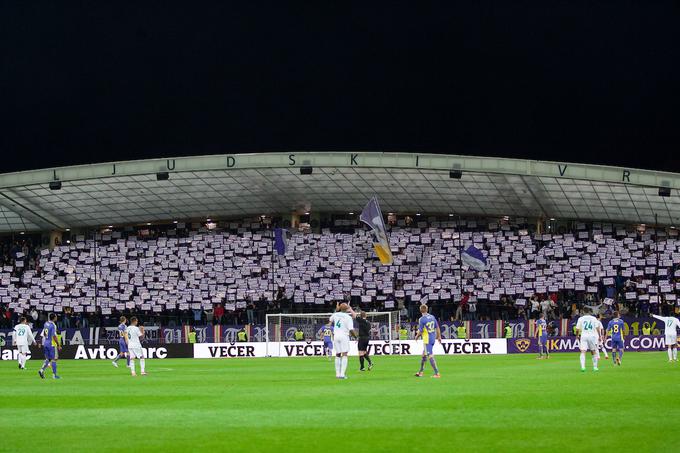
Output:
x=482 y=403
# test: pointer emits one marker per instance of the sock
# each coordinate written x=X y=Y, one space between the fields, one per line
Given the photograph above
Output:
x=117 y=358
x=54 y=368
x=337 y=366
x=128 y=359
x=434 y=365
x=620 y=354
x=596 y=357
x=132 y=366
x=670 y=353
x=422 y=363
x=370 y=362
x=675 y=353
x=142 y=364
x=361 y=361
x=583 y=360
x=614 y=356
x=44 y=365
x=20 y=359
x=343 y=367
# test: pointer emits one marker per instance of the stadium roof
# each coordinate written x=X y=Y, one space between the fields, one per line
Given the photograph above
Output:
x=237 y=185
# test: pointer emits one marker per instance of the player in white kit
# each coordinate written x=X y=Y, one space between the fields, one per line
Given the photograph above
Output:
x=590 y=330
x=343 y=327
x=134 y=334
x=23 y=337
x=670 y=324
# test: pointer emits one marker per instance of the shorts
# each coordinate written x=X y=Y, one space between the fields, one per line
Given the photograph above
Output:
x=341 y=344
x=23 y=349
x=122 y=346
x=363 y=344
x=588 y=344
x=617 y=344
x=49 y=352
x=671 y=339
x=137 y=353
x=427 y=348
x=543 y=340
x=328 y=344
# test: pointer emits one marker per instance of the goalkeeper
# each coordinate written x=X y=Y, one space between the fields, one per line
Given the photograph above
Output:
x=364 y=335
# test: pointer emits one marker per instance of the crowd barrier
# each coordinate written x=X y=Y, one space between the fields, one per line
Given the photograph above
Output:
x=520 y=328
x=477 y=346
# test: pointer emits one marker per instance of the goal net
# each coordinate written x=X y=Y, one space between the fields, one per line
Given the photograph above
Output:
x=282 y=327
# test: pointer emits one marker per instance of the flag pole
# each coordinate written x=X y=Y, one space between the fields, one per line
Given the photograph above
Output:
x=460 y=258
x=272 y=230
x=656 y=252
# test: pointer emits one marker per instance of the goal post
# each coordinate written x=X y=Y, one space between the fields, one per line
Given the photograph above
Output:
x=281 y=327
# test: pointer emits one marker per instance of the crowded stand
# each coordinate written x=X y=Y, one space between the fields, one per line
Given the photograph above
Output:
x=228 y=274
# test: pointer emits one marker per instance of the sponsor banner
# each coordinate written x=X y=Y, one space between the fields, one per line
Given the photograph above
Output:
x=315 y=348
x=571 y=344
x=229 y=350
x=101 y=352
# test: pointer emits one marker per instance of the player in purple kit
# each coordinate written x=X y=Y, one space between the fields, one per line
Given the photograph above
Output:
x=327 y=334
x=615 y=329
x=428 y=329
x=49 y=334
x=122 y=343
x=542 y=335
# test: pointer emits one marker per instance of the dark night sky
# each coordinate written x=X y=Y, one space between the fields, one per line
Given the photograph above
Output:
x=585 y=81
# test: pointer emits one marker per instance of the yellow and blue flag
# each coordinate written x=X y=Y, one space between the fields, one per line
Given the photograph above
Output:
x=372 y=216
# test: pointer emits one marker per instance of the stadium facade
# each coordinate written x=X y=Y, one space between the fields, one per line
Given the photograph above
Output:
x=559 y=232
x=294 y=183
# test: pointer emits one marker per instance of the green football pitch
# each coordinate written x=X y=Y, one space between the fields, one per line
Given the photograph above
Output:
x=481 y=403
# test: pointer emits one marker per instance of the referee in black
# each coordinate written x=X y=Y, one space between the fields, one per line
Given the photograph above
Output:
x=364 y=335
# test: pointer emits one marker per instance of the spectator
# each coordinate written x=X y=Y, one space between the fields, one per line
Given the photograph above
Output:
x=198 y=315
x=208 y=313
x=535 y=307
x=546 y=308
x=462 y=307
x=250 y=311
x=219 y=314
